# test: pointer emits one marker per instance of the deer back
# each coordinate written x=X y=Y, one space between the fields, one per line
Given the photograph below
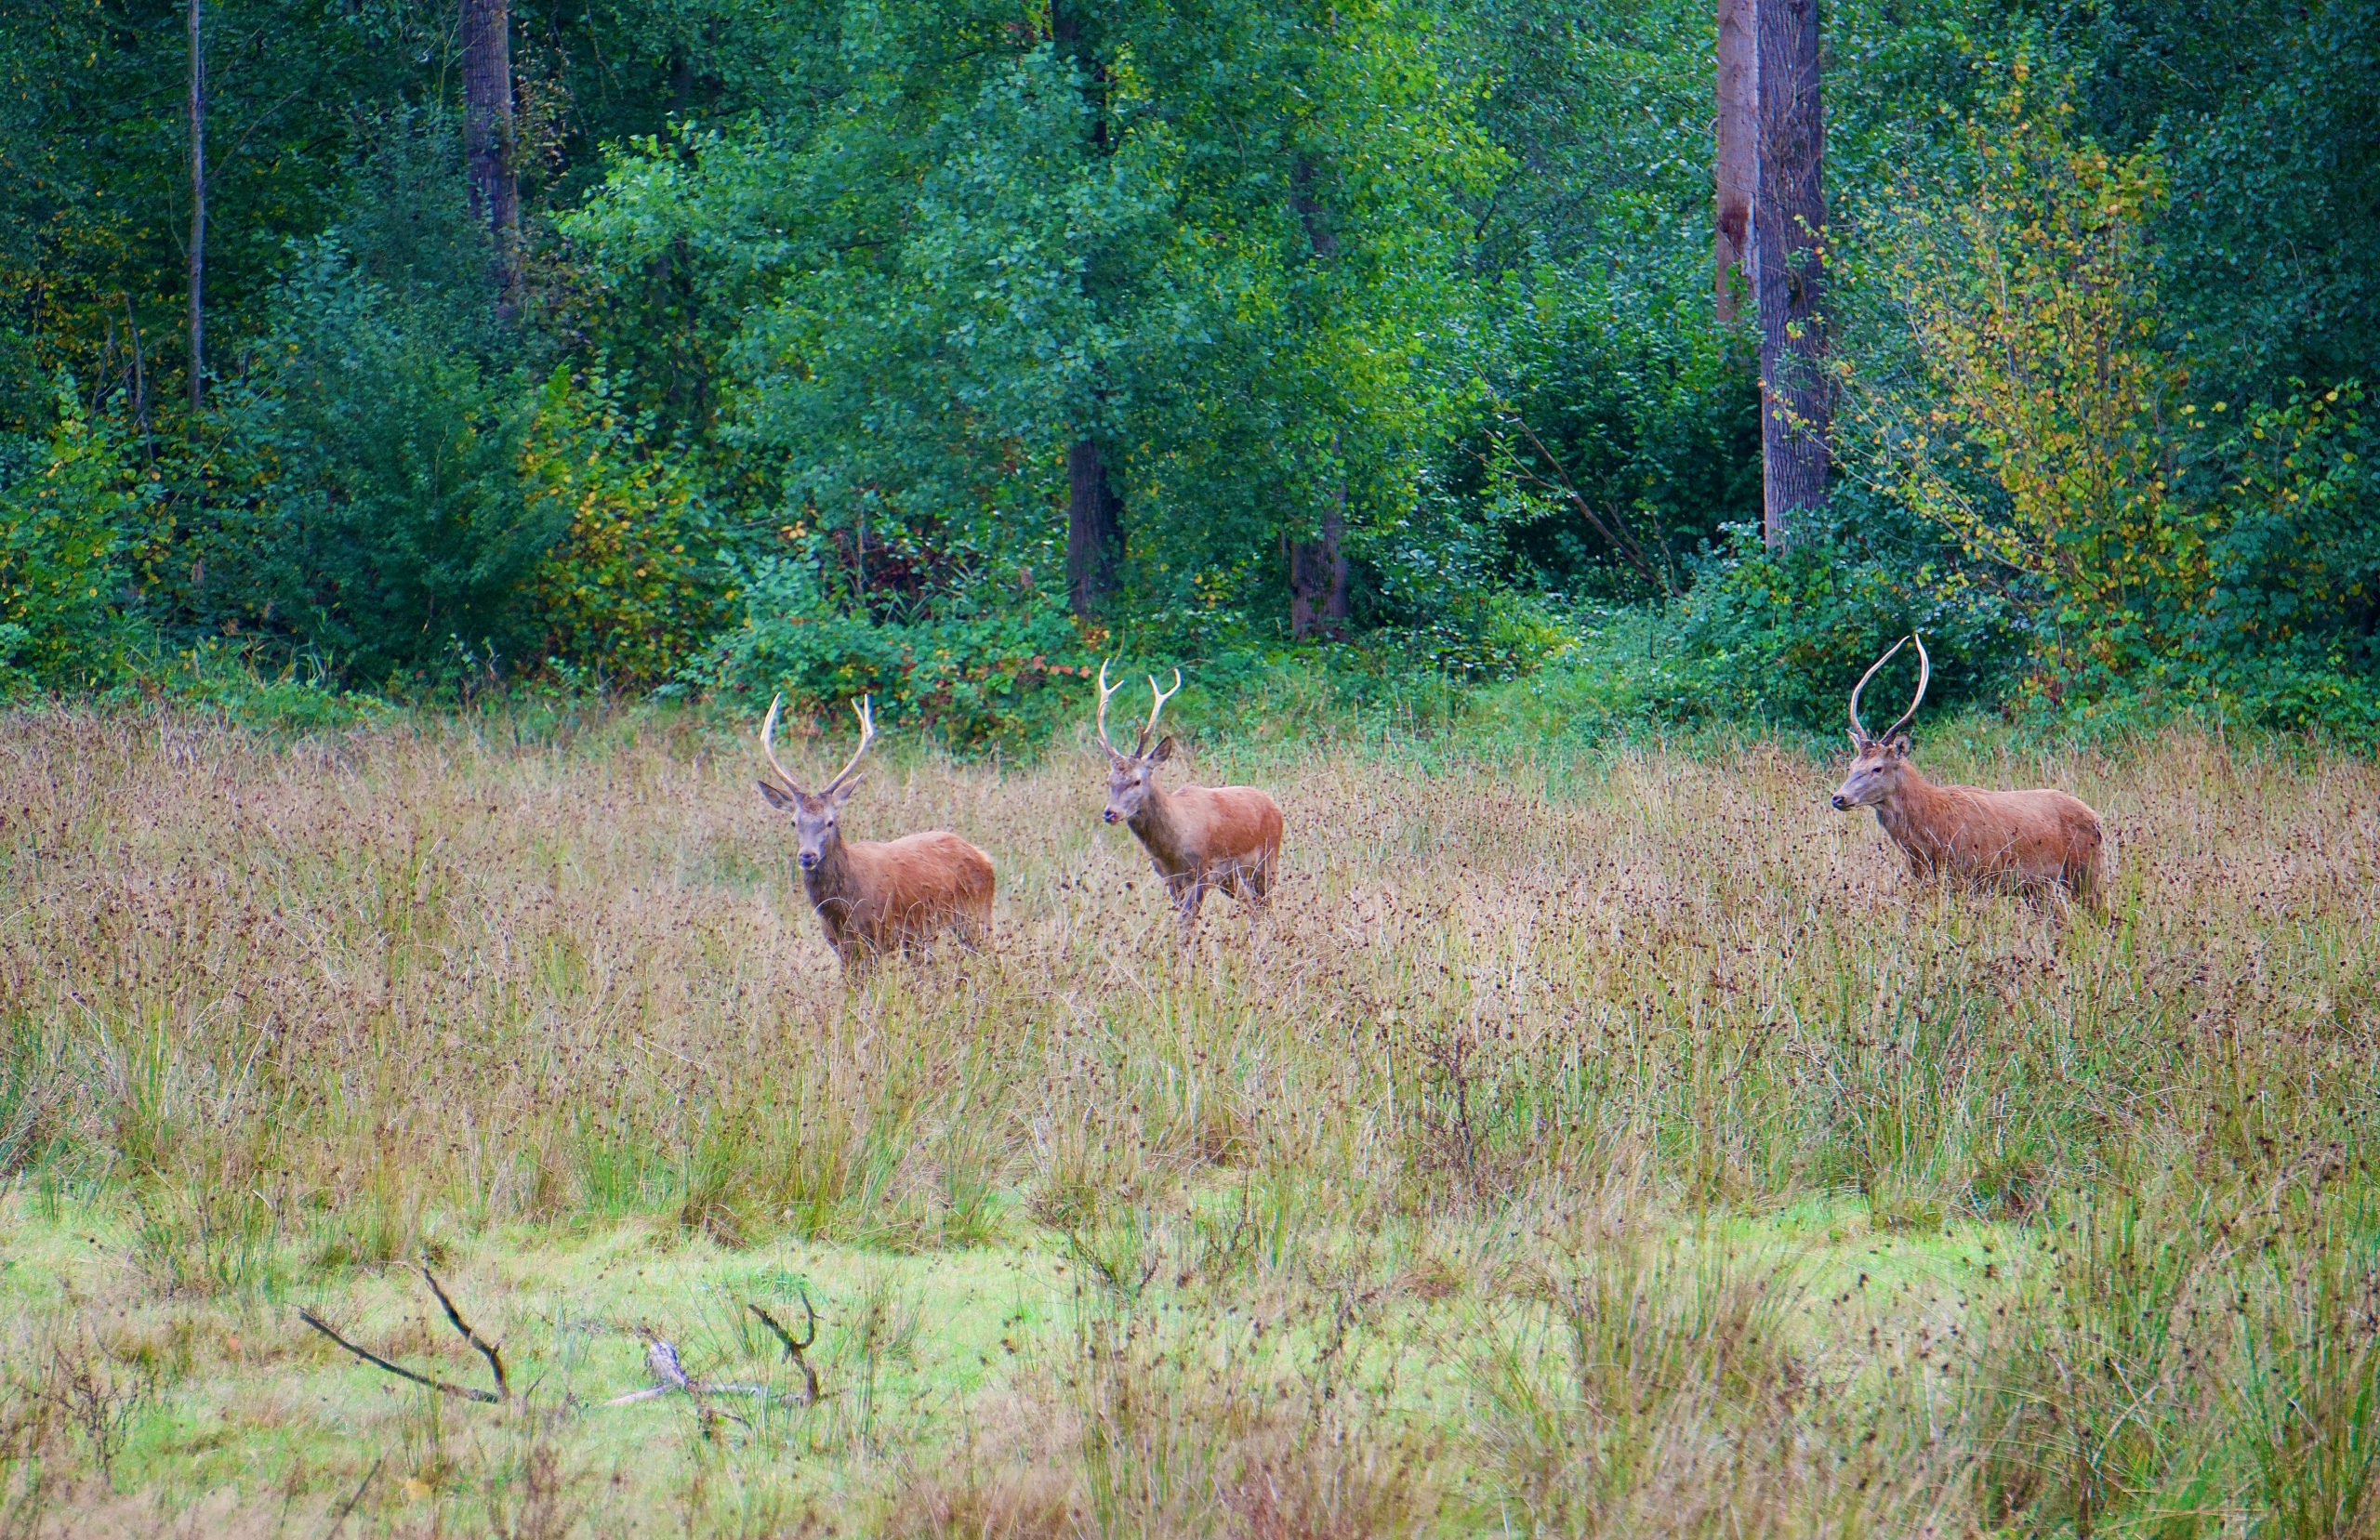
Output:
x=892 y=887
x=2037 y=836
x=1227 y=826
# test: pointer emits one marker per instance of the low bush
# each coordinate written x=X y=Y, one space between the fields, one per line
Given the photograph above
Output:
x=980 y=667
x=629 y=588
x=67 y=500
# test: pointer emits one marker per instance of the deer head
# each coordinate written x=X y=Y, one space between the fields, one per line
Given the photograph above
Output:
x=1130 y=776
x=1878 y=762
x=815 y=814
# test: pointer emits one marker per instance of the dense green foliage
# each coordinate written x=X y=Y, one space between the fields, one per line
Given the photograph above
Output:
x=817 y=297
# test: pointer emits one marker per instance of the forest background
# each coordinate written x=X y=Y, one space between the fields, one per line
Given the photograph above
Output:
x=372 y=349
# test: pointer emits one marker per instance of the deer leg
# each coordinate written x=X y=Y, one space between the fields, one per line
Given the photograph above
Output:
x=1186 y=903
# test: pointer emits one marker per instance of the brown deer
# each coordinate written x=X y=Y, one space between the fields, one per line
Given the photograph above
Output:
x=1199 y=838
x=877 y=896
x=2039 y=841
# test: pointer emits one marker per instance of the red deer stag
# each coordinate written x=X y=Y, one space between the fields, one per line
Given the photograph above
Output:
x=1199 y=838
x=2036 y=840
x=877 y=896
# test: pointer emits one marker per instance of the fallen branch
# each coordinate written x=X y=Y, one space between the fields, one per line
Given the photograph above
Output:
x=660 y=1357
x=670 y=1376
x=495 y=1361
x=461 y=1392
x=339 y=1521
x=796 y=1350
x=500 y=1396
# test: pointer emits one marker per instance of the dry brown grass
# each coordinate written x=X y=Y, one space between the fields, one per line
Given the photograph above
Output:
x=1517 y=1036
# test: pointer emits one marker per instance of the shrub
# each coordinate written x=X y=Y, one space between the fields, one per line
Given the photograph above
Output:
x=624 y=591
x=2034 y=437
x=978 y=664
x=66 y=502
x=376 y=518
x=2024 y=395
x=1785 y=633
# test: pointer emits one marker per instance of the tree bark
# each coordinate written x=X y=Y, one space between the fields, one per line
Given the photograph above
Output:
x=1788 y=221
x=1736 y=167
x=1094 y=530
x=197 y=213
x=487 y=137
x=1094 y=513
x=1318 y=567
x=1318 y=575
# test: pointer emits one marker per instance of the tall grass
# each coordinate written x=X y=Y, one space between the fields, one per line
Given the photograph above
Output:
x=1512 y=1176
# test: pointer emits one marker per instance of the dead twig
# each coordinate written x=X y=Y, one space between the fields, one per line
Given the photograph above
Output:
x=500 y=1396
x=670 y=1378
x=339 y=1520
x=461 y=1392
x=495 y=1361
x=661 y=1358
x=797 y=1351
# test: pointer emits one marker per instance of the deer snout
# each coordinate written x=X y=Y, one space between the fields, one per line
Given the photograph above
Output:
x=809 y=859
x=1841 y=803
x=1108 y=817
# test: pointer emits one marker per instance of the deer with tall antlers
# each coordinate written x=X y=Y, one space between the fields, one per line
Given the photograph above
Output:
x=1199 y=838
x=877 y=896
x=2041 y=841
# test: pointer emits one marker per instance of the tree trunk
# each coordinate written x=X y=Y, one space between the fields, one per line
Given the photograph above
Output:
x=487 y=137
x=1789 y=219
x=1318 y=567
x=1094 y=513
x=1736 y=165
x=1094 y=530
x=1318 y=575
x=197 y=213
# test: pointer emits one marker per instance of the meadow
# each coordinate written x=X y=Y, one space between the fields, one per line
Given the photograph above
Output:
x=1601 y=1137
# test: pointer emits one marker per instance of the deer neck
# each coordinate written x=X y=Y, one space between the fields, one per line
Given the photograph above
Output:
x=1910 y=806
x=831 y=879
x=1157 y=824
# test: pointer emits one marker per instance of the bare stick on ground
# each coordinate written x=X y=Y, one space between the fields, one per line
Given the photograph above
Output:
x=338 y=1521
x=797 y=1351
x=495 y=1359
x=500 y=1396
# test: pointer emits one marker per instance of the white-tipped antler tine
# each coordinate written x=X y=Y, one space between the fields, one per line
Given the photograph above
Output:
x=1880 y=663
x=768 y=745
x=1924 y=672
x=1159 y=698
x=1106 y=690
x=867 y=736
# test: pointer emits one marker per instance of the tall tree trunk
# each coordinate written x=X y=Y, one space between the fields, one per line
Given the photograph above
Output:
x=1094 y=530
x=1318 y=567
x=1318 y=575
x=197 y=213
x=1736 y=167
x=1095 y=512
x=487 y=137
x=1789 y=219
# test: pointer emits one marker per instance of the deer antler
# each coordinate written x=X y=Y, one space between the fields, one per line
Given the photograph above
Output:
x=768 y=745
x=1924 y=672
x=867 y=736
x=1106 y=690
x=1161 y=697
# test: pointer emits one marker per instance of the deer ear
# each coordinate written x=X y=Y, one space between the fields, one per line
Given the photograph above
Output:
x=1898 y=747
x=1859 y=738
x=1163 y=751
x=844 y=792
x=778 y=796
